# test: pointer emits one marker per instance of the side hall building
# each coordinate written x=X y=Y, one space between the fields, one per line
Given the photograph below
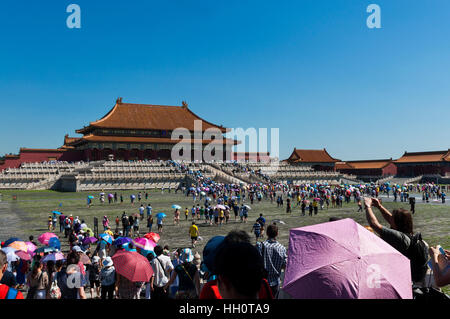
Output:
x=368 y=170
x=424 y=163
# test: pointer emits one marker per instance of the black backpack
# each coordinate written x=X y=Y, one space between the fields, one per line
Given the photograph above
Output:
x=417 y=253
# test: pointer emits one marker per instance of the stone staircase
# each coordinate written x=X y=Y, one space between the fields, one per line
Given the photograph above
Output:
x=222 y=176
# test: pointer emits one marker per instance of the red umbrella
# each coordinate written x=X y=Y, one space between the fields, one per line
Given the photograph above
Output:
x=132 y=266
x=152 y=236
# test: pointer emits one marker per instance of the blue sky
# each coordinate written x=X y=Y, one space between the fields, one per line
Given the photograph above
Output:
x=311 y=68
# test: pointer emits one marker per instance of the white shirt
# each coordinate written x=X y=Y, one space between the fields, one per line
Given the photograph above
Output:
x=158 y=270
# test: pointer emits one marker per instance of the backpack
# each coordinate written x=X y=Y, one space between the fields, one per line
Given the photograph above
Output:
x=417 y=253
x=12 y=293
x=55 y=292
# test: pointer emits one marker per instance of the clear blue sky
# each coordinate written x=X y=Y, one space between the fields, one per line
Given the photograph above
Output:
x=309 y=67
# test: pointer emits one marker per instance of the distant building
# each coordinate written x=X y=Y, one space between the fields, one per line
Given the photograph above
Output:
x=318 y=159
x=423 y=163
x=369 y=170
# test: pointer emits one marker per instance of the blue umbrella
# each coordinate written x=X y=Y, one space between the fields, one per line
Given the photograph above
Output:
x=160 y=215
x=56 y=212
x=122 y=241
x=106 y=238
x=127 y=247
x=55 y=243
x=146 y=252
x=11 y=240
x=176 y=206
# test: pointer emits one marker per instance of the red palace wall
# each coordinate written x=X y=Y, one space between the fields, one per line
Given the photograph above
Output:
x=408 y=170
x=36 y=156
x=391 y=169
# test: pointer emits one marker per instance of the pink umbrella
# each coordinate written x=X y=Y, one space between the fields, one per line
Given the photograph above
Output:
x=31 y=247
x=45 y=237
x=144 y=243
x=344 y=260
x=23 y=255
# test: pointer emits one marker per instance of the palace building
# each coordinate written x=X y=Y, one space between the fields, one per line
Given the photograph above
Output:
x=368 y=170
x=424 y=163
x=133 y=132
x=318 y=159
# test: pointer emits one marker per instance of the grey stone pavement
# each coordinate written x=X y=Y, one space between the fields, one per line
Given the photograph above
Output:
x=418 y=199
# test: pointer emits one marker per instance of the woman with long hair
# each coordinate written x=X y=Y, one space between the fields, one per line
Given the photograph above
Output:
x=38 y=282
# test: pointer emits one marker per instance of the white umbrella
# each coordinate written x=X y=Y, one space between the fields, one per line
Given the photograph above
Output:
x=248 y=207
x=10 y=255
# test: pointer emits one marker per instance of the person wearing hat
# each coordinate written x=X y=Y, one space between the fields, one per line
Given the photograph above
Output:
x=188 y=275
x=94 y=276
x=107 y=279
x=77 y=249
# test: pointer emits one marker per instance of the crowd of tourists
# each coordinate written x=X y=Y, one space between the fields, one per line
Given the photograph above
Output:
x=232 y=266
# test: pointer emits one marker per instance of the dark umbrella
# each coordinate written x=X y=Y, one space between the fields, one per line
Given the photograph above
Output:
x=122 y=240
x=89 y=240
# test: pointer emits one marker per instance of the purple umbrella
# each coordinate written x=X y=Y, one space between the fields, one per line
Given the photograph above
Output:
x=344 y=260
x=122 y=240
x=53 y=257
x=89 y=240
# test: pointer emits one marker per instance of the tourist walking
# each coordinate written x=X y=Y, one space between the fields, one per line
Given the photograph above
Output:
x=274 y=256
x=194 y=233
x=107 y=279
x=162 y=269
x=150 y=222
x=38 y=282
x=94 y=276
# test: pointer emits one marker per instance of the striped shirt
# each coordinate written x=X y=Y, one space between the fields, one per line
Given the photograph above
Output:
x=275 y=256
